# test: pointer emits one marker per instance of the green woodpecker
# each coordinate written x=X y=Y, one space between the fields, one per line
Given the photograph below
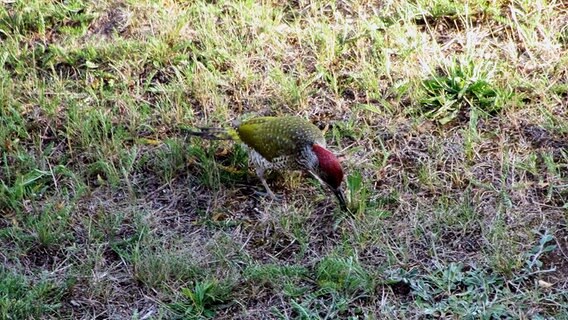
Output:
x=284 y=143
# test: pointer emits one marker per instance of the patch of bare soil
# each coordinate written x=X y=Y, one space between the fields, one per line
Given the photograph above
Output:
x=558 y=259
x=269 y=242
x=114 y=20
x=469 y=242
x=539 y=137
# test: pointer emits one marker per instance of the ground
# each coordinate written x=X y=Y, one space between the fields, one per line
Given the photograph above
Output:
x=450 y=117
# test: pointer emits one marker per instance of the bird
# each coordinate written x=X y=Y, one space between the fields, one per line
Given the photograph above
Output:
x=284 y=143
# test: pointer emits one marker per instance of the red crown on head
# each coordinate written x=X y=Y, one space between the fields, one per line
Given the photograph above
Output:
x=329 y=166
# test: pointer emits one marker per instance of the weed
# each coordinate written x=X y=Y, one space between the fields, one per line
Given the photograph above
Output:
x=357 y=193
x=535 y=255
x=464 y=84
x=343 y=274
x=20 y=298
x=200 y=302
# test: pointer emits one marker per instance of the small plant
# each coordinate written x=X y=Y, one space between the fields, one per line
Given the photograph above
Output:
x=534 y=256
x=456 y=291
x=357 y=193
x=461 y=86
x=210 y=175
x=283 y=277
x=466 y=291
x=169 y=160
x=201 y=301
x=343 y=274
x=49 y=229
x=20 y=299
x=155 y=267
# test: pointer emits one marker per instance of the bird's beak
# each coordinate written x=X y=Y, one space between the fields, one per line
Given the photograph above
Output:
x=341 y=198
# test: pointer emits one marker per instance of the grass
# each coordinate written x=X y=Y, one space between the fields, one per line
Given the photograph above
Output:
x=451 y=118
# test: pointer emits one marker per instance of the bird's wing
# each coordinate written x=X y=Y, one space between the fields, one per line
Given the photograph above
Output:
x=269 y=136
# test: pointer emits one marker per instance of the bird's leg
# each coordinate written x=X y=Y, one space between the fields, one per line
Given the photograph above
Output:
x=260 y=174
x=268 y=191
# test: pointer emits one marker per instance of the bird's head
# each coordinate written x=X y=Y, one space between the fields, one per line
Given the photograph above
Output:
x=329 y=171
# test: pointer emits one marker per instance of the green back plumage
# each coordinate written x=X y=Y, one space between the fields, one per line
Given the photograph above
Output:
x=275 y=137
